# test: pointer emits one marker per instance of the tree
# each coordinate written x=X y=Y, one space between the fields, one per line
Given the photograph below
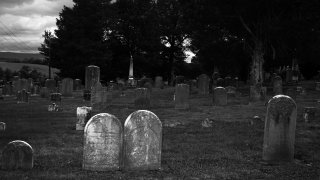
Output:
x=46 y=48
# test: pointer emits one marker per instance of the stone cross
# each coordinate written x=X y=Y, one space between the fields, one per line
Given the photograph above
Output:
x=142 y=98
x=181 y=95
x=279 y=130
x=92 y=76
x=142 y=141
x=220 y=96
x=102 y=147
x=17 y=155
x=83 y=116
x=203 y=84
x=67 y=87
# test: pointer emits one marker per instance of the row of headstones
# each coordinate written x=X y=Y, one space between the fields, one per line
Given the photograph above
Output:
x=137 y=146
x=107 y=144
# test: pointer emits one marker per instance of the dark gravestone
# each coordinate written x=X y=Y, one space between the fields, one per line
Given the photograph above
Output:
x=102 y=149
x=142 y=98
x=181 y=96
x=219 y=96
x=50 y=84
x=77 y=84
x=158 y=82
x=55 y=97
x=92 y=76
x=83 y=116
x=203 y=84
x=277 y=85
x=67 y=87
x=142 y=141
x=279 y=131
x=17 y=155
x=44 y=92
x=86 y=95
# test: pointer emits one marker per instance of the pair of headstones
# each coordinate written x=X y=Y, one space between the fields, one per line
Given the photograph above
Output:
x=109 y=146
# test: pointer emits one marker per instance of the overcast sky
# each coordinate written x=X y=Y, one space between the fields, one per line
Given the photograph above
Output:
x=22 y=22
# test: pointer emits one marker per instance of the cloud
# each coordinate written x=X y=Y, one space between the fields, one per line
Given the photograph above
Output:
x=22 y=22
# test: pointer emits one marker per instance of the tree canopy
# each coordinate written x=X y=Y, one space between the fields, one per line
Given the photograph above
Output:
x=239 y=37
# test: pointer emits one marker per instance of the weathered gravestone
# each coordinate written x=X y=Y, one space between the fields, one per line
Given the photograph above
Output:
x=142 y=98
x=158 y=82
x=23 y=96
x=92 y=76
x=17 y=155
x=77 y=84
x=181 y=96
x=277 y=85
x=203 y=84
x=50 y=84
x=142 y=141
x=279 y=130
x=99 y=97
x=309 y=114
x=83 y=116
x=67 y=87
x=44 y=92
x=103 y=138
x=220 y=96
x=257 y=92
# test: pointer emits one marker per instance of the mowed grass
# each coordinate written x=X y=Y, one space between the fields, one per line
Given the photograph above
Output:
x=43 y=69
x=230 y=149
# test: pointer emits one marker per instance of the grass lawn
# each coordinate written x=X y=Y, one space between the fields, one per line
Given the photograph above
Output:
x=231 y=149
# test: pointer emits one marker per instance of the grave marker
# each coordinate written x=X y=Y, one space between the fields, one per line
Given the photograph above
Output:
x=181 y=96
x=83 y=116
x=67 y=87
x=203 y=84
x=142 y=141
x=92 y=76
x=103 y=138
x=279 y=131
x=219 y=96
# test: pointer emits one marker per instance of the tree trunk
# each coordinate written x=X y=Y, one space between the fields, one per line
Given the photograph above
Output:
x=256 y=74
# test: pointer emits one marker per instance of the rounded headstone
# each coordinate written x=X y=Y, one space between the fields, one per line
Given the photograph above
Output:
x=17 y=155
x=279 y=130
x=181 y=99
x=102 y=149
x=220 y=96
x=142 y=141
x=92 y=76
x=77 y=84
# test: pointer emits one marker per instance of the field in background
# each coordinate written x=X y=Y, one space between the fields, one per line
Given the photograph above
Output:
x=43 y=69
x=231 y=149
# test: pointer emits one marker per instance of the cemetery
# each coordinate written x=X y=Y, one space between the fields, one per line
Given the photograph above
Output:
x=160 y=90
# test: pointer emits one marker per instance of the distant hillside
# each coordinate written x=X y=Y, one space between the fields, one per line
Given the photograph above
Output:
x=43 y=69
x=12 y=56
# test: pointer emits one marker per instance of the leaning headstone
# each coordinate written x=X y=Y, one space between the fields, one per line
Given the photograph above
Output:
x=142 y=98
x=309 y=114
x=77 y=84
x=83 y=116
x=50 y=84
x=67 y=87
x=158 y=82
x=279 y=131
x=203 y=84
x=219 y=96
x=17 y=155
x=102 y=149
x=181 y=94
x=92 y=76
x=23 y=96
x=277 y=85
x=317 y=86
x=142 y=141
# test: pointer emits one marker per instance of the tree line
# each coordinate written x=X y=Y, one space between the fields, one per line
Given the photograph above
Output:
x=239 y=37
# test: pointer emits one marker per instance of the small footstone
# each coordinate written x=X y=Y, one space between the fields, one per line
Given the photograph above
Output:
x=17 y=155
x=279 y=131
